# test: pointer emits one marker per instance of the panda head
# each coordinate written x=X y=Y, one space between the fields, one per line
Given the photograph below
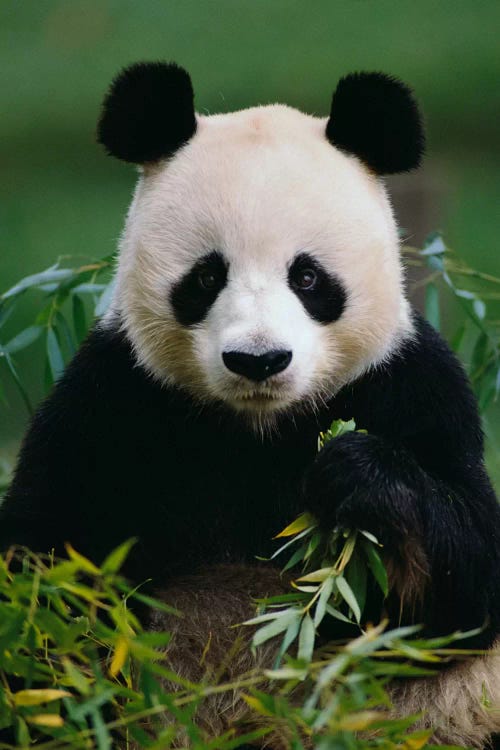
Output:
x=259 y=263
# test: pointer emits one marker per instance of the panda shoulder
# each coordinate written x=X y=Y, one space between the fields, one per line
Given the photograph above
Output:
x=422 y=395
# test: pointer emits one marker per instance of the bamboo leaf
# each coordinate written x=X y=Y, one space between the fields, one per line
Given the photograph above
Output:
x=279 y=625
x=432 y=312
x=377 y=567
x=289 y=637
x=306 y=639
x=119 y=656
x=348 y=596
x=337 y=614
x=105 y=299
x=23 y=339
x=371 y=537
x=479 y=353
x=297 y=557
x=54 y=355
x=36 y=697
x=117 y=557
x=79 y=322
x=256 y=704
x=302 y=523
x=317 y=576
x=66 y=333
x=326 y=592
x=356 y=576
x=46 y=720
x=82 y=562
x=45 y=277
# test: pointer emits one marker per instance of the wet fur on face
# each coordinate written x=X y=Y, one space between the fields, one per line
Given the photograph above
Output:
x=261 y=190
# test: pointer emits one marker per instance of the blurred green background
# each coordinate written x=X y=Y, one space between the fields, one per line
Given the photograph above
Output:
x=59 y=194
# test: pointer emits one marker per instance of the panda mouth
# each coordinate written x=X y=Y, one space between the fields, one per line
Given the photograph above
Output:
x=258 y=399
x=258 y=396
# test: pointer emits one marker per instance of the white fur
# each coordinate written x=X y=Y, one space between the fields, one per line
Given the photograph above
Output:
x=261 y=186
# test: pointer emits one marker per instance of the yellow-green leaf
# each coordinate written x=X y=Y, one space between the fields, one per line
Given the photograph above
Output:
x=256 y=704
x=36 y=697
x=360 y=720
x=46 y=720
x=84 y=564
x=317 y=576
x=417 y=740
x=348 y=596
x=117 y=557
x=119 y=657
x=301 y=523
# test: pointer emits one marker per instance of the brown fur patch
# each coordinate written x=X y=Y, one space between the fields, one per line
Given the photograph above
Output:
x=461 y=704
x=205 y=644
x=409 y=575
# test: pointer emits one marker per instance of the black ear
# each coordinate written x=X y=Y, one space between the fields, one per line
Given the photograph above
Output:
x=148 y=112
x=375 y=117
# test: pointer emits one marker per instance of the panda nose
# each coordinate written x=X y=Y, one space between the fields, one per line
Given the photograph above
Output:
x=257 y=367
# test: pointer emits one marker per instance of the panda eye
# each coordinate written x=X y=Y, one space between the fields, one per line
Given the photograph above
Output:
x=305 y=279
x=208 y=279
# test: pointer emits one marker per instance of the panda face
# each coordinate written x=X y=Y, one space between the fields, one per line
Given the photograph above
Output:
x=259 y=265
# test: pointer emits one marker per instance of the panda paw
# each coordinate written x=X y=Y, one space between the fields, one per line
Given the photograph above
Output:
x=359 y=481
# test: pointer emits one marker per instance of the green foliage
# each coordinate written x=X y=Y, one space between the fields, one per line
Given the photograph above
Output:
x=335 y=567
x=62 y=317
x=77 y=670
x=476 y=340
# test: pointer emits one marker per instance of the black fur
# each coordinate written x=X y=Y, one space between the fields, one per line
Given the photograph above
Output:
x=148 y=113
x=192 y=297
x=111 y=454
x=375 y=117
x=326 y=299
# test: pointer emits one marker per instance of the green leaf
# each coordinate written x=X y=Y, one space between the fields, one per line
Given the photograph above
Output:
x=370 y=536
x=433 y=245
x=347 y=594
x=290 y=635
x=79 y=322
x=356 y=576
x=479 y=308
x=479 y=353
x=301 y=523
x=278 y=625
x=17 y=381
x=337 y=614
x=326 y=592
x=432 y=305
x=66 y=333
x=376 y=566
x=105 y=299
x=487 y=387
x=54 y=355
x=23 y=339
x=117 y=557
x=316 y=576
x=306 y=639
x=338 y=427
x=37 y=279
x=5 y=313
x=297 y=557
x=458 y=338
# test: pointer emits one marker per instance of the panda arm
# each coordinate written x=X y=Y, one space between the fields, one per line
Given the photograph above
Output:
x=417 y=481
x=57 y=491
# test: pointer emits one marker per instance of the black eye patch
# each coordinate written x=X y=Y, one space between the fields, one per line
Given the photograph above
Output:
x=193 y=296
x=321 y=293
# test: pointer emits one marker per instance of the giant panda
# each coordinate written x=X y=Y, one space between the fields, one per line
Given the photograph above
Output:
x=260 y=295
